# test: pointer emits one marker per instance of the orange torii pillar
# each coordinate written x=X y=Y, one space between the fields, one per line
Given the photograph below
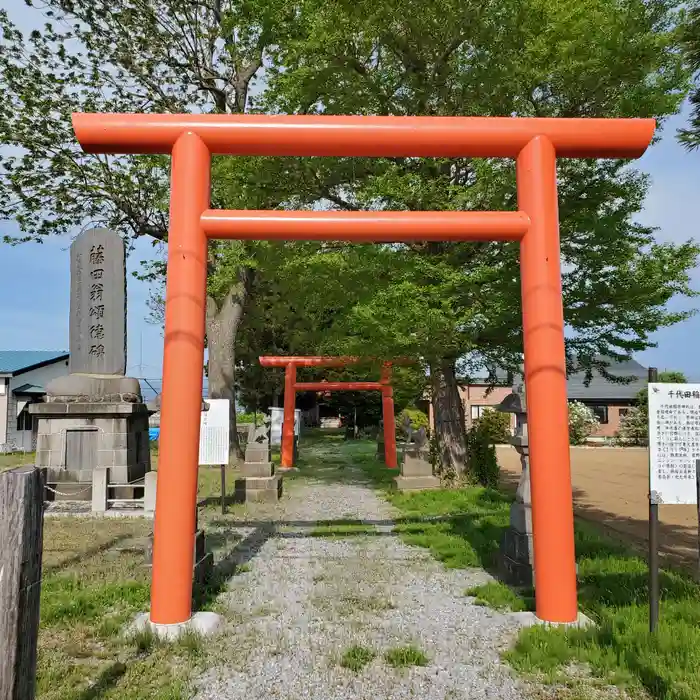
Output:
x=535 y=143
x=291 y=386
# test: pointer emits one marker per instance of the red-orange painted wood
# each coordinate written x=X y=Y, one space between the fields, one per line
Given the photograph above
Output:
x=183 y=360
x=545 y=383
x=366 y=226
x=338 y=386
x=290 y=401
x=536 y=143
x=300 y=135
x=388 y=417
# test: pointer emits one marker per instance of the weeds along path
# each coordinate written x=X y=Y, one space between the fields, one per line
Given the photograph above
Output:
x=326 y=609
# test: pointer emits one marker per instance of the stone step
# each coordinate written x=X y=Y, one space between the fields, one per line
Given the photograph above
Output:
x=416 y=483
x=258 y=469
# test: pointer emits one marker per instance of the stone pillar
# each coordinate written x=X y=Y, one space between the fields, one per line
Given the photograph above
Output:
x=517 y=562
x=94 y=418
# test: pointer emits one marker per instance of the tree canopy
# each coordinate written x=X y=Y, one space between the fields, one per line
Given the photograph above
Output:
x=442 y=304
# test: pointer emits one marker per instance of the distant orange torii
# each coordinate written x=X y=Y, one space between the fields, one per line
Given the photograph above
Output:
x=291 y=386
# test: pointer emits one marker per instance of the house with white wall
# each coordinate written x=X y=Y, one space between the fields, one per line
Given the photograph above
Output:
x=24 y=375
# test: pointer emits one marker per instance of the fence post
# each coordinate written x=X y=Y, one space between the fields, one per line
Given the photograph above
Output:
x=21 y=533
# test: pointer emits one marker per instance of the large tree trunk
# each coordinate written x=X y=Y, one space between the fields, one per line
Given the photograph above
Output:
x=223 y=321
x=448 y=412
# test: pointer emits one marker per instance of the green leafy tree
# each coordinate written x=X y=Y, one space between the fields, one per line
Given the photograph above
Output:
x=582 y=423
x=449 y=303
x=138 y=56
x=634 y=426
x=690 y=136
x=495 y=425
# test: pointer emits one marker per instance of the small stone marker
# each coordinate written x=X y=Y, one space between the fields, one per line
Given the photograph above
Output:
x=517 y=551
x=416 y=468
x=98 y=303
x=259 y=482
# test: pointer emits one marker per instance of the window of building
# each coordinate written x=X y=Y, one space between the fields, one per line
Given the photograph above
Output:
x=478 y=411
x=601 y=413
x=623 y=412
x=25 y=420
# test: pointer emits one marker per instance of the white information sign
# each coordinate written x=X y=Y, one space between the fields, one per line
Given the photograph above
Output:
x=674 y=442
x=276 y=421
x=214 y=433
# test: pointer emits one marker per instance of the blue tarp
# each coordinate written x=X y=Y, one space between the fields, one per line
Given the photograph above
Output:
x=153 y=433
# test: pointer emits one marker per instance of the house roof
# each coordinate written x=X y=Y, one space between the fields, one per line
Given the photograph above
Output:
x=29 y=390
x=15 y=362
x=599 y=387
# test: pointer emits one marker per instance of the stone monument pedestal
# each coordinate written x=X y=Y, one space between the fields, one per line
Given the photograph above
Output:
x=416 y=471
x=92 y=429
x=260 y=483
x=75 y=439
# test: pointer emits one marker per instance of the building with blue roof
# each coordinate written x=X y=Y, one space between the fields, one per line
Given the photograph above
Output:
x=24 y=375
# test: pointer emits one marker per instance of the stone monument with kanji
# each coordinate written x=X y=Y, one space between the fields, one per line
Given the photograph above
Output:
x=93 y=424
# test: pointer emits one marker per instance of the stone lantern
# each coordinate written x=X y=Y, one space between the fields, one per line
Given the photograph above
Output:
x=517 y=556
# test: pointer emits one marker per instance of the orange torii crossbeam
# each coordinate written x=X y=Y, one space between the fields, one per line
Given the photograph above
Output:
x=292 y=386
x=535 y=143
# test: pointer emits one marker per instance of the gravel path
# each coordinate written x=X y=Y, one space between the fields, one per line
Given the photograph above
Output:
x=305 y=600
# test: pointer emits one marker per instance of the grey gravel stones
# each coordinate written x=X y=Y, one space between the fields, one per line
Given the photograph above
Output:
x=305 y=600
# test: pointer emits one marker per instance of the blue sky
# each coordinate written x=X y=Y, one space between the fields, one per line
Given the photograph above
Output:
x=34 y=278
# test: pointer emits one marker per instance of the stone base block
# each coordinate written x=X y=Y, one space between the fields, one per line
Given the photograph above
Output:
x=258 y=469
x=516 y=573
x=521 y=517
x=203 y=624
x=416 y=464
x=87 y=388
x=258 y=489
x=380 y=451
x=529 y=619
x=416 y=483
x=255 y=453
x=518 y=546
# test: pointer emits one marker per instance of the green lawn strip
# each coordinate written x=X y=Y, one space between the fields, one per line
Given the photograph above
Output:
x=94 y=582
x=466 y=531
x=15 y=459
x=341 y=529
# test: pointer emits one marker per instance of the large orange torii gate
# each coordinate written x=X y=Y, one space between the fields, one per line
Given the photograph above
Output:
x=535 y=143
x=291 y=386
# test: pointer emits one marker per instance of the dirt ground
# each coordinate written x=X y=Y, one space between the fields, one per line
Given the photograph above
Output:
x=611 y=487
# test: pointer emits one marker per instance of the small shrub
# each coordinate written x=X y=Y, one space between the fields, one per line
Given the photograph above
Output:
x=249 y=417
x=418 y=419
x=582 y=423
x=482 y=464
x=357 y=657
x=495 y=425
x=401 y=657
x=634 y=427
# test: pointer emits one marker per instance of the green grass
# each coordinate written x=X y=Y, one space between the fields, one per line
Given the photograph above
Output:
x=466 y=530
x=7 y=461
x=403 y=657
x=94 y=582
x=499 y=597
x=338 y=529
x=357 y=657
